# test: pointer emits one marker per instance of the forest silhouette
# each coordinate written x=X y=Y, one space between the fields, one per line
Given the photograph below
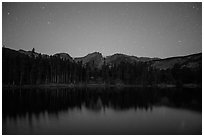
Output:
x=21 y=69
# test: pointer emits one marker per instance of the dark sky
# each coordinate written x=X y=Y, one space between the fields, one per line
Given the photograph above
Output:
x=140 y=29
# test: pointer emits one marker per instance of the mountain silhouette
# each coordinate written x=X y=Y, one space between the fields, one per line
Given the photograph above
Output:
x=97 y=60
x=29 y=67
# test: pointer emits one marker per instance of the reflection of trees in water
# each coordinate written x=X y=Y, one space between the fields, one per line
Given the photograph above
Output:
x=22 y=102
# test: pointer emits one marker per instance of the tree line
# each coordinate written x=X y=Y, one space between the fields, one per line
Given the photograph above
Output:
x=21 y=69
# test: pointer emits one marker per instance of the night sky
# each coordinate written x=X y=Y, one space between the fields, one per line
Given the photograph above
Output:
x=140 y=29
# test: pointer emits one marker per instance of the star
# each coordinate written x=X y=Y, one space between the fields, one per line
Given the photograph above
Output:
x=134 y=42
x=48 y=22
x=186 y=16
x=8 y=13
x=43 y=7
x=4 y=41
x=180 y=43
x=194 y=7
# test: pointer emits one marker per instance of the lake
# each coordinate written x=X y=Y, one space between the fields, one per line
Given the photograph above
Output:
x=108 y=111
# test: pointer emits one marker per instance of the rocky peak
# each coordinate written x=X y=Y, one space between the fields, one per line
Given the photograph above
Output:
x=64 y=56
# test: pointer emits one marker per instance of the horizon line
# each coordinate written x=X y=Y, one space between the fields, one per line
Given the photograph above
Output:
x=102 y=54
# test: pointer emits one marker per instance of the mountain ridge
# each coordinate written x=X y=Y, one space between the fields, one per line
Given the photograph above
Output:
x=178 y=56
x=28 y=67
x=97 y=59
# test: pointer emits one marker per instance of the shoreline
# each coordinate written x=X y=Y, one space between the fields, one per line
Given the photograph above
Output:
x=101 y=86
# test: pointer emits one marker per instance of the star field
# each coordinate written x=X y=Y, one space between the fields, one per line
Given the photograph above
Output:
x=140 y=29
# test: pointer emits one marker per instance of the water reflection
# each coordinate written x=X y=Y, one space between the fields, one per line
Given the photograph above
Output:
x=37 y=109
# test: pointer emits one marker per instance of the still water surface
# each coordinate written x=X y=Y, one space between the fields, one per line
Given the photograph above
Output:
x=102 y=111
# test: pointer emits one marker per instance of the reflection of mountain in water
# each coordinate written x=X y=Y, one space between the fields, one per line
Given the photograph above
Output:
x=19 y=102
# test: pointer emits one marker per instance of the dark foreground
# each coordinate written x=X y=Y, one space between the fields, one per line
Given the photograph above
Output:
x=102 y=111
